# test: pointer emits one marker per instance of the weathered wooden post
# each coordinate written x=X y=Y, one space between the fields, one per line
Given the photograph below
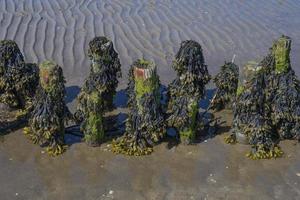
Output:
x=46 y=123
x=97 y=93
x=186 y=90
x=284 y=92
x=145 y=125
x=267 y=106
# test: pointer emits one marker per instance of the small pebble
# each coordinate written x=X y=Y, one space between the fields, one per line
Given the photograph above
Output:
x=17 y=194
x=10 y=159
x=173 y=149
x=111 y=192
x=298 y=174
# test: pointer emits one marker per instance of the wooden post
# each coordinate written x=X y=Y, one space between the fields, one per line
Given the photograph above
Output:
x=186 y=91
x=46 y=124
x=145 y=125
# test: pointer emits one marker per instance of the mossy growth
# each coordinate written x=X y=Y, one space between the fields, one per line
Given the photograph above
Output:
x=92 y=126
x=281 y=52
x=49 y=112
x=47 y=80
x=147 y=81
x=240 y=90
x=188 y=135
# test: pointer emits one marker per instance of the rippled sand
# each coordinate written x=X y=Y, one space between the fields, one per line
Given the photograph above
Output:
x=60 y=30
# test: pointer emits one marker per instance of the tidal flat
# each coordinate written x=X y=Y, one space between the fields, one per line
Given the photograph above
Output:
x=151 y=29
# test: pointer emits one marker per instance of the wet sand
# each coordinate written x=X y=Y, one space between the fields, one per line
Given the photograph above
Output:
x=61 y=30
x=208 y=170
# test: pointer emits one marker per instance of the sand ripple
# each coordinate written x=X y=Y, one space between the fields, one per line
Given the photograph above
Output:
x=60 y=30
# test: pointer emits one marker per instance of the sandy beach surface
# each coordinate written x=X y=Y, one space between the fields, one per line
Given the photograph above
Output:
x=153 y=29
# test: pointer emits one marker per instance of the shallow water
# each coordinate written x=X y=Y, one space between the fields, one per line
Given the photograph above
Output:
x=60 y=30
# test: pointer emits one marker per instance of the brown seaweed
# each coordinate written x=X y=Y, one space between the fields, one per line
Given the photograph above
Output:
x=227 y=83
x=18 y=80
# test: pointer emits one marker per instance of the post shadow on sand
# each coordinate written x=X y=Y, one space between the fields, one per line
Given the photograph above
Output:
x=8 y=127
x=10 y=123
x=74 y=135
x=71 y=93
x=121 y=98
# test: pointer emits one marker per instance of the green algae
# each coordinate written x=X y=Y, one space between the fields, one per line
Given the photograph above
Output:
x=281 y=51
x=93 y=125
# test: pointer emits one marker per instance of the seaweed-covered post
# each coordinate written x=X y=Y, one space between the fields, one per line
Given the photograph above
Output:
x=267 y=108
x=18 y=80
x=284 y=91
x=186 y=90
x=226 y=82
x=251 y=123
x=46 y=122
x=97 y=93
x=92 y=124
x=145 y=125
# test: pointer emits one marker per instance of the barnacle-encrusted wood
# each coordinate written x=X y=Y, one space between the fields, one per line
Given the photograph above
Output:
x=186 y=90
x=226 y=82
x=284 y=91
x=96 y=96
x=18 y=80
x=145 y=125
x=46 y=123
